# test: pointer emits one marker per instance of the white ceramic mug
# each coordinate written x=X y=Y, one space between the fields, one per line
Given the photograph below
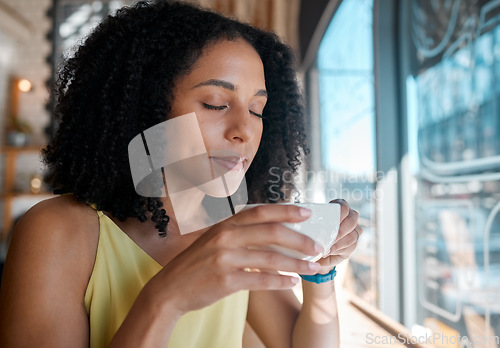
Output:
x=322 y=227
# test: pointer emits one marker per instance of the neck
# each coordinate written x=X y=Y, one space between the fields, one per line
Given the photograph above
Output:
x=186 y=211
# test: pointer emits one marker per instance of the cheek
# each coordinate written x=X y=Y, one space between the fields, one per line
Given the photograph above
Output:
x=210 y=131
x=182 y=105
x=258 y=137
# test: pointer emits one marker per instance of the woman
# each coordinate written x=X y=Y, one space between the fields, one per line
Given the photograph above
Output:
x=76 y=278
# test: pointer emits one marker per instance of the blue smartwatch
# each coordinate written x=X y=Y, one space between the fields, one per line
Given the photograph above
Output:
x=320 y=278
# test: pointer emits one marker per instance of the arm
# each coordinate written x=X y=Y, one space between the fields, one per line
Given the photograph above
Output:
x=317 y=324
x=46 y=272
x=215 y=263
x=280 y=321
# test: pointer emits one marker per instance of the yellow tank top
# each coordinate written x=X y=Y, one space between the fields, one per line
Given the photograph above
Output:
x=122 y=269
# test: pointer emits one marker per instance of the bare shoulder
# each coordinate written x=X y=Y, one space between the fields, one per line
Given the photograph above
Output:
x=60 y=210
x=49 y=263
x=58 y=223
x=60 y=231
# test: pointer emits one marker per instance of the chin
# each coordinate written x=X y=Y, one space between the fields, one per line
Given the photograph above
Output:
x=223 y=186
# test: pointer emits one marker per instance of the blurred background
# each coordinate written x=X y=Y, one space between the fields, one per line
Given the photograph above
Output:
x=403 y=103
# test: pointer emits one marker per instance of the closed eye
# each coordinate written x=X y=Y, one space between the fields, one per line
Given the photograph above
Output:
x=256 y=114
x=222 y=107
x=214 y=107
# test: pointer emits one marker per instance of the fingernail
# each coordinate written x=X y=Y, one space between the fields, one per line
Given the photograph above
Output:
x=305 y=212
x=294 y=280
x=313 y=266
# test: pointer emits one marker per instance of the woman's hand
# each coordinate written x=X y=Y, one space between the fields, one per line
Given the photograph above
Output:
x=217 y=263
x=346 y=242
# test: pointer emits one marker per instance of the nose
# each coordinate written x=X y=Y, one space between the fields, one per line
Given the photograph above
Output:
x=241 y=126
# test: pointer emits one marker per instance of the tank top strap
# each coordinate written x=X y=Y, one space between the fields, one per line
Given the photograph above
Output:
x=99 y=212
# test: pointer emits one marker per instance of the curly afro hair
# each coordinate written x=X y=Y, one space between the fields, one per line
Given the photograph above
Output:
x=120 y=82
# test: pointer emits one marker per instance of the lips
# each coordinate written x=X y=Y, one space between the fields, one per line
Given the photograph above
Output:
x=231 y=163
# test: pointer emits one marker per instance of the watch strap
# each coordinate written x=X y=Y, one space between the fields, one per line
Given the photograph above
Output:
x=320 y=278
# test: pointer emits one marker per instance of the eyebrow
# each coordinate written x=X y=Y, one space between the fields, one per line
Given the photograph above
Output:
x=228 y=85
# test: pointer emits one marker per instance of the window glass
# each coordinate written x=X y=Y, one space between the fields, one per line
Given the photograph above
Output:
x=75 y=20
x=456 y=87
x=347 y=119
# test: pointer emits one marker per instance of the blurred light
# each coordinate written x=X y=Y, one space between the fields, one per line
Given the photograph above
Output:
x=24 y=85
x=97 y=6
x=36 y=184
x=66 y=29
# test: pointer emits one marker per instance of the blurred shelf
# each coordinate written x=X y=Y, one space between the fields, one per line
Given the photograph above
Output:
x=25 y=195
x=20 y=149
x=9 y=166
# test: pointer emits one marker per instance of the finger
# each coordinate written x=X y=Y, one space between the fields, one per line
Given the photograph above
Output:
x=348 y=240
x=329 y=262
x=266 y=281
x=348 y=224
x=271 y=213
x=344 y=207
x=271 y=234
x=270 y=261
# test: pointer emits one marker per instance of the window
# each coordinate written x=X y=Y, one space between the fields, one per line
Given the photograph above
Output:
x=455 y=90
x=347 y=131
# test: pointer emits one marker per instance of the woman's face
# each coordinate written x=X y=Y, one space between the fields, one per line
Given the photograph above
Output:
x=227 y=91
